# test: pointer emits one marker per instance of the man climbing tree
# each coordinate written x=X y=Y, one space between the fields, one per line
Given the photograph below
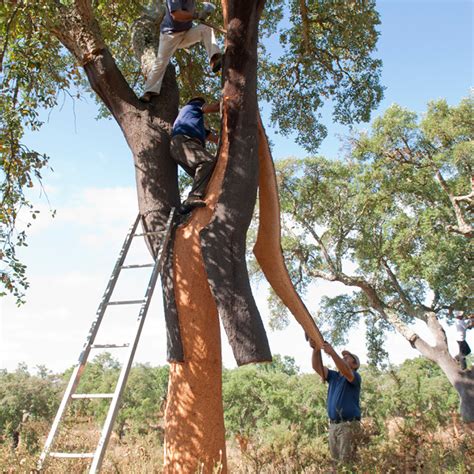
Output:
x=205 y=276
x=462 y=325
x=177 y=31
x=188 y=148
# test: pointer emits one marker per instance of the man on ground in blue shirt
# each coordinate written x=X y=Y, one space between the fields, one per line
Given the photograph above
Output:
x=343 y=403
x=176 y=32
x=188 y=149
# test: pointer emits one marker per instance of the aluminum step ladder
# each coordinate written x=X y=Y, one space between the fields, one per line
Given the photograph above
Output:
x=70 y=393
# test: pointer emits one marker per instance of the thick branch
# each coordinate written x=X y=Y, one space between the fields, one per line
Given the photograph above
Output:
x=324 y=250
x=390 y=315
x=437 y=330
x=305 y=25
x=398 y=288
x=78 y=30
x=462 y=226
x=108 y=83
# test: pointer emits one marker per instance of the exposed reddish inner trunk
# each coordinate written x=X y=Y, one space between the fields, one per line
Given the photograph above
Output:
x=194 y=427
x=210 y=273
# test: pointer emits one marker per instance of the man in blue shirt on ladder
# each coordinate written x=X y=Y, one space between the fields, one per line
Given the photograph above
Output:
x=343 y=402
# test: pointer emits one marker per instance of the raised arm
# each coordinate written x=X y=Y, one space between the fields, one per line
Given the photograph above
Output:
x=317 y=361
x=342 y=366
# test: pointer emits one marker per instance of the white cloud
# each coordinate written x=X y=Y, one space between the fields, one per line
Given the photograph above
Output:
x=101 y=206
x=52 y=327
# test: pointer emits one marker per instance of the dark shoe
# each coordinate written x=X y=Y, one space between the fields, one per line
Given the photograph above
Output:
x=216 y=62
x=191 y=203
x=147 y=96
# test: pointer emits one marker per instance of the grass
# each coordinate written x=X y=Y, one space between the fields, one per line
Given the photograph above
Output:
x=411 y=449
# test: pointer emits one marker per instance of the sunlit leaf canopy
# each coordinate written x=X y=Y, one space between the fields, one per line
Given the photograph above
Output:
x=384 y=217
x=310 y=53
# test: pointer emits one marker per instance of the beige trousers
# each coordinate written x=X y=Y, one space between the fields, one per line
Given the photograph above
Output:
x=343 y=440
x=169 y=43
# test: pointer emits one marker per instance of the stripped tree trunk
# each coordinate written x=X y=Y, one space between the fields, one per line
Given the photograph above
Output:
x=205 y=274
x=211 y=276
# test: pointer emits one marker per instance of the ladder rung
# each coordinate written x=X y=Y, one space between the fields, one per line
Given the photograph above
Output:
x=71 y=455
x=147 y=233
x=126 y=302
x=109 y=346
x=98 y=455
x=92 y=395
x=143 y=265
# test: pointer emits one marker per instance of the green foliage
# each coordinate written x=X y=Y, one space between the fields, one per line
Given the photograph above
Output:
x=143 y=403
x=383 y=220
x=416 y=389
x=142 y=400
x=326 y=52
x=257 y=397
x=32 y=72
x=420 y=164
x=23 y=395
x=276 y=415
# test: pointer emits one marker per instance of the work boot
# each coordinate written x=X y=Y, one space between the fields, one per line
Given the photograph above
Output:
x=216 y=62
x=191 y=203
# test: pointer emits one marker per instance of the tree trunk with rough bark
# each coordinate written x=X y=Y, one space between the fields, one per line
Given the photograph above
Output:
x=210 y=272
x=205 y=275
x=461 y=380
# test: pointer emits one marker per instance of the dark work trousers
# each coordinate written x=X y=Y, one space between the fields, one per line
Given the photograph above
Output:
x=464 y=350
x=191 y=155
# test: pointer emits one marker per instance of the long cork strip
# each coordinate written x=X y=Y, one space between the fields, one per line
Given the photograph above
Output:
x=267 y=248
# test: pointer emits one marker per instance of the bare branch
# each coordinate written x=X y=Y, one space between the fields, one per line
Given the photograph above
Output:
x=462 y=226
x=405 y=300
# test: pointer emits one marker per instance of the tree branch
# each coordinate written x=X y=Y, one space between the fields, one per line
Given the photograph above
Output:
x=310 y=229
x=7 y=31
x=78 y=30
x=398 y=288
x=462 y=227
x=437 y=330
x=324 y=250
x=305 y=26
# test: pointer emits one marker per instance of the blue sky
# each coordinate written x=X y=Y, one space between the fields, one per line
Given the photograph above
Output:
x=427 y=51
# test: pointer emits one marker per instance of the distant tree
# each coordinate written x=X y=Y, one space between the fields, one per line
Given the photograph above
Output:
x=23 y=393
x=257 y=397
x=392 y=222
x=144 y=400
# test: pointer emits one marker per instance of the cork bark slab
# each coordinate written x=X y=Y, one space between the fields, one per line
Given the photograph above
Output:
x=267 y=248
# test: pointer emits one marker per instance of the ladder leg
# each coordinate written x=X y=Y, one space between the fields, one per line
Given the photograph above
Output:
x=78 y=370
x=123 y=377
